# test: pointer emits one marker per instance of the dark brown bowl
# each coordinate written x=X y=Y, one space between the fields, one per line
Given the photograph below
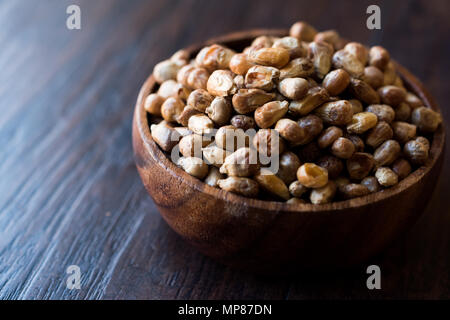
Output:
x=267 y=236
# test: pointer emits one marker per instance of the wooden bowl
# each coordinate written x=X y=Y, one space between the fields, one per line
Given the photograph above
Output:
x=267 y=236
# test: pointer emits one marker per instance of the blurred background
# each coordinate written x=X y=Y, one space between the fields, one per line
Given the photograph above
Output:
x=69 y=190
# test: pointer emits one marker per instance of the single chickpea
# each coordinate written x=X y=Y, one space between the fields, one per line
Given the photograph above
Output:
x=361 y=122
x=402 y=168
x=328 y=136
x=243 y=186
x=392 y=95
x=387 y=153
x=288 y=166
x=343 y=148
x=416 y=152
x=336 y=81
x=333 y=165
x=386 y=177
x=426 y=119
x=323 y=194
x=379 y=134
x=371 y=183
x=153 y=104
x=293 y=88
x=296 y=189
x=312 y=176
x=359 y=165
x=382 y=111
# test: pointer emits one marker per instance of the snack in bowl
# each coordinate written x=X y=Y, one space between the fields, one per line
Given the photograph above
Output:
x=338 y=108
x=258 y=216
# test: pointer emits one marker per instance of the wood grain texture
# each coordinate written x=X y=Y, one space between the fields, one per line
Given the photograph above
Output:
x=69 y=191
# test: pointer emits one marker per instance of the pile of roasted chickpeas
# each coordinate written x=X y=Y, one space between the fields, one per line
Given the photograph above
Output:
x=335 y=114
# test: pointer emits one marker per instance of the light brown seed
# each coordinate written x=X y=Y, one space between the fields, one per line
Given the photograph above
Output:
x=221 y=83
x=241 y=163
x=312 y=125
x=200 y=124
x=296 y=201
x=392 y=95
x=371 y=183
x=213 y=177
x=333 y=165
x=247 y=100
x=153 y=104
x=194 y=166
x=382 y=111
x=416 y=151
x=293 y=88
x=335 y=113
x=373 y=76
x=328 y=136
x=171 y=88
x=261 y=77
x=293 y=45
x=273 y=57
x=403 y=131
x=272 y=184
x=387 y=153
x=231 y=138
x=403 y=112
x=269 y=113
x=164 y=135
x=379 y=57
x=379 y=134
x=290 y=130
x=413 y=100
x=312 y=176
x=214 y=57
x=219 y=111
x=347 y=61
x=243 y=122
x=268 y=142
x=402 y=168
x=183 y=117
x=361 y=122
x=363 y=91
x=314 y=98
x=324 y=194
x=330 y=36
x=165 y=70
x=353 y=190
x=303 y=31
x=171 y=109
x=336 y=81
x=359 y=165
x=386 y=177
x=390 y=74
x=243 y=186
x=359 y=51
x=191 y=145
x=240 y=64
x=342 y=148
x=321 y=54
x=215 y=155
x=288 y=166
x=296 y=189
x=426 y=119
x=200 y=99
x=297 y=68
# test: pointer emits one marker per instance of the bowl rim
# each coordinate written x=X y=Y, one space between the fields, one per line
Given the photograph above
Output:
x=153 y=150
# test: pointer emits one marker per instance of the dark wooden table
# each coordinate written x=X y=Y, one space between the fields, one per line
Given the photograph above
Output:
x=69 y=190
